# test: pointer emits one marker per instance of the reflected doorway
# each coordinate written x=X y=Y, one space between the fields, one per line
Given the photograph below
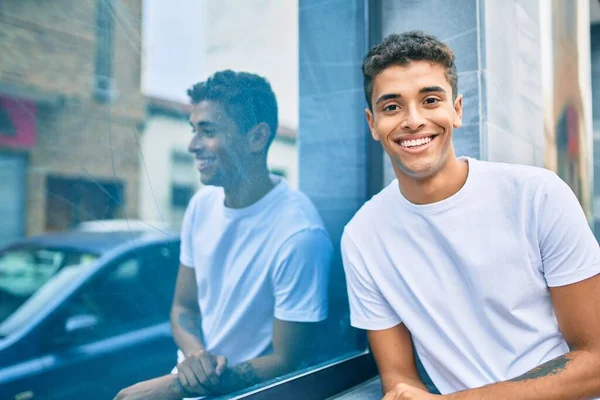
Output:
x=71 y=201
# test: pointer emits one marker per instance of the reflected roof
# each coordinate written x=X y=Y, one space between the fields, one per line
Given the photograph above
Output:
x=96 y=243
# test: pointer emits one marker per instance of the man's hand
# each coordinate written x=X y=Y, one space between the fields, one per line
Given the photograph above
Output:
x=402 y=391
x=163 y=388
x=201 y=371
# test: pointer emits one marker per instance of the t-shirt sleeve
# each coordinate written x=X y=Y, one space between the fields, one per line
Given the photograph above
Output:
x=568 y=248
x=301 y=276
x=186 y=255
x=368 y=308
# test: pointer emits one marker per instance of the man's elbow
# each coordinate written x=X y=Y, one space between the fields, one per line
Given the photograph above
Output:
x=288 y=363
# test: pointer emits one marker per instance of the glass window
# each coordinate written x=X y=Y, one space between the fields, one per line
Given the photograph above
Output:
x=219 y=142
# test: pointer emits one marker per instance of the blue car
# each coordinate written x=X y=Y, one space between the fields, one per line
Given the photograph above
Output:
x=85 y=314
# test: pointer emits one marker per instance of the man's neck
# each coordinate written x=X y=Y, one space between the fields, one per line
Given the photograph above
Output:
x=246 y=192
x=447 y=182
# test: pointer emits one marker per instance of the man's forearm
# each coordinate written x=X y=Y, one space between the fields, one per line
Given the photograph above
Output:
x=575 y=375
x=252 y=372
x=388 y=381
x=186 y=328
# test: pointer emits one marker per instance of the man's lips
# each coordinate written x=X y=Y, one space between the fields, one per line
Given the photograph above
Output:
x=204 y=162
x=416 y=143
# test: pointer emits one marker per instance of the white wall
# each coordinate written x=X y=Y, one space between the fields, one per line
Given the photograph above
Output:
x=162 y=137
x=283 y=156
x=259 y=36
x=172 y=44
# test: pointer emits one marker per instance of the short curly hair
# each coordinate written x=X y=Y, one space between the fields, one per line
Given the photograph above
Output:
x=247 y=98
x=401 y=49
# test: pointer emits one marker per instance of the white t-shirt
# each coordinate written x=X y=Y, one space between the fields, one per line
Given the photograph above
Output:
x=469 y=275
x=269 y=260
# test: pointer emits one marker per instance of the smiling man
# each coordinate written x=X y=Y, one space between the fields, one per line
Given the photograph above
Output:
x=255 y=256
x=490 y=270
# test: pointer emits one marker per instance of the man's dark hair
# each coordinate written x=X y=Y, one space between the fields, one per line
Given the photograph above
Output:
x=247 y=98
x=401 y=49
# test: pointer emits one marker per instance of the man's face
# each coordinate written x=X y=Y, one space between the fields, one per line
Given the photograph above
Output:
x=413 y=117
x=220 y=149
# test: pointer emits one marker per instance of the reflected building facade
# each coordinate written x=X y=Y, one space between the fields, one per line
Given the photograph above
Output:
x=70 y=95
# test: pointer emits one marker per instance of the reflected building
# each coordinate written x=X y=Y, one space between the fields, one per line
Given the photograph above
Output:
x=71 y=109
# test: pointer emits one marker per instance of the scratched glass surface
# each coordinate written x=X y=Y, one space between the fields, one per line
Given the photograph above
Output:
x=99 y=160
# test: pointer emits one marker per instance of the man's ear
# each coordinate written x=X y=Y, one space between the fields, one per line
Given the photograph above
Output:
x=371 y=122
x=458 y=109
x=258 y=137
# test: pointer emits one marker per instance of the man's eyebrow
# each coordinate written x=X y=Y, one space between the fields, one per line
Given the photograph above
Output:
x=203 y=124
x=387 y=97
x=430 y=89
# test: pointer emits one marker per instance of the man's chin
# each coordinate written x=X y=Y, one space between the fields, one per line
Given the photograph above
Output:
x=210 y=180
x=418 y=170
x=207 y=180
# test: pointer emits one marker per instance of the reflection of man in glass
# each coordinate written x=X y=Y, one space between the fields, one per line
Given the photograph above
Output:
x=254 y=254
x=489 y=269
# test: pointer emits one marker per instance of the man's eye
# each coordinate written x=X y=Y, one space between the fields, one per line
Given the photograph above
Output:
x=391 y=107
x=431 y=100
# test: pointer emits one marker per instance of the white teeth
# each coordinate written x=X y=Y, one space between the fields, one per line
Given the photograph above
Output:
x=415 y=142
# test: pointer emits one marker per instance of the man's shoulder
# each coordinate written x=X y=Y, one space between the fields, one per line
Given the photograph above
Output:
x=516 y=170
x=296 y=208
x=523 y=179
x=204 y=195
x=373 y=210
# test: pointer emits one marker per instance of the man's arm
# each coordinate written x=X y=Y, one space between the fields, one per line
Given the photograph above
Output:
x=291 y=349
x=185 y=314
x=576 y=375
x=200 y=369
x=185 y=326
x=393 y=352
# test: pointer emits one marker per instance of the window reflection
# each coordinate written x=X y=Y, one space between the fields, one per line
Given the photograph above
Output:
x=109 y=197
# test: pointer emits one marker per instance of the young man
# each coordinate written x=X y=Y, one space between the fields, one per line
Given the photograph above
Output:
x=489 y=269
x=255 y=256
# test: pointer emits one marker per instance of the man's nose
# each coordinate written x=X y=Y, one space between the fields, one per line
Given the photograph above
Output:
x=414 y=120
x=195 y=144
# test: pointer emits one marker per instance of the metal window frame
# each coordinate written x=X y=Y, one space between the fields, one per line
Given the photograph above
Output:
x=318 y=383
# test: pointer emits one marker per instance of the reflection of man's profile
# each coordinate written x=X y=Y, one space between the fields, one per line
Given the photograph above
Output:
x=254 y=253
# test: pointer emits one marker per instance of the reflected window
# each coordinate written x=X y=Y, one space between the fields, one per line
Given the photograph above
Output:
x=104 y=88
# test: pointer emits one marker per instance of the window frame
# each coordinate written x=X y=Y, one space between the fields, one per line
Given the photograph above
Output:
x=321 y=382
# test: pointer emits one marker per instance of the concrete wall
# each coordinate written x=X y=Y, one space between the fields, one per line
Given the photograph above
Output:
x=595 y=64
x=498 y=67
x=512 y=82
x=162 y=138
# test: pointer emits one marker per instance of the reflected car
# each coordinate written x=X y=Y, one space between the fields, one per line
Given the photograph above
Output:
x=84 y=314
